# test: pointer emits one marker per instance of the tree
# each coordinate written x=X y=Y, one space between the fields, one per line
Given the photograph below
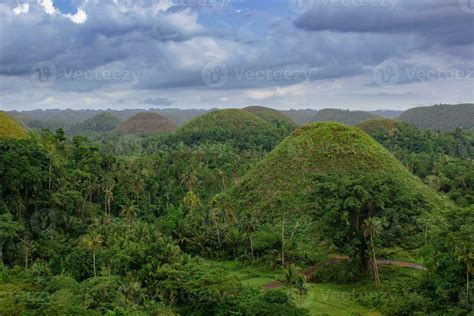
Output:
x=130 y=212
x=295 y=278
x=26 y=247
x=249 y=226
x=465 y=254
x=92 y=242
x=8 y=229
x=372 y=228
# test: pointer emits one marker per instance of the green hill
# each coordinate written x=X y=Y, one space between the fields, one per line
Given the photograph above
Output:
x=441 y=117
x=236 y=127
x=146 y=123
x=341 y=116
x=9 y=128
x=271 y=116
x=330 y=175
x=378 y=125
x=99 y=123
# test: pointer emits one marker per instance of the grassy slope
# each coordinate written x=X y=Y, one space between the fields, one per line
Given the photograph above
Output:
x=231 y=125
x=9 y=128
x=377 y=125
x=146 y=123
x=282 y=178
x=270 y=116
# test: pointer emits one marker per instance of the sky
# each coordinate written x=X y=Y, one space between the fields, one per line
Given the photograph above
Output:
x=284 y=54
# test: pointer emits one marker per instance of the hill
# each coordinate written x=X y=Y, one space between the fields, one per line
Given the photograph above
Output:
x=341 y=116
x=301 y=116
x=378 y=125
x=9 y=128
x=146 y=123
x=441 y=117
x=271 y=116
x=237 y=127
x=102 y=122
x=331 y=177
x=392 y=114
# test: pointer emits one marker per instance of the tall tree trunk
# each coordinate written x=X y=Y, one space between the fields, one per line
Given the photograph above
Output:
x=374 y=263
x=283 y=241
x=1 y=253
x=50 y=169
x=251 y=246
x=467 y=283
x=26 y=261
x=93 y=263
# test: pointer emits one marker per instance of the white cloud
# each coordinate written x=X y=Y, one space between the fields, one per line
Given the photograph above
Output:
x=48 y=6
x=23 y=8
x=78 y=18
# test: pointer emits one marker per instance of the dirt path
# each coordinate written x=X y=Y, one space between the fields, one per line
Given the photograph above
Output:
x=309 y=271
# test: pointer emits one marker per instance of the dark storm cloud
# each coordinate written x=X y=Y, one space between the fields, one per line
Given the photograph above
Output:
x=437 y=22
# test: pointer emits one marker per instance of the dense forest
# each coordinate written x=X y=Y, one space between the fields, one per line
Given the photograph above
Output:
x=236 y=212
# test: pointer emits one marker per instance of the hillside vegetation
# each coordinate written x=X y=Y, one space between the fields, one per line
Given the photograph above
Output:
x=147 y=124
x=333 y=177
x=102 y=122
x=271 y=116
x=9 y=128
x=443 y=117
x=240 y=128
x=341 y=116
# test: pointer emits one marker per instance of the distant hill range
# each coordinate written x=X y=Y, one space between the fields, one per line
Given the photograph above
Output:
x=341 y=116
x=437 y=117
x=441 y=117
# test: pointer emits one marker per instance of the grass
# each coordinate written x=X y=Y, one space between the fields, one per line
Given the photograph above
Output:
x=333 y=299
x=321 y=299
x=11 y=129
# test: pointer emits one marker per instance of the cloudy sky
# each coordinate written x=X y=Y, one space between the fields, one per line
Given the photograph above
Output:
x=355 y=54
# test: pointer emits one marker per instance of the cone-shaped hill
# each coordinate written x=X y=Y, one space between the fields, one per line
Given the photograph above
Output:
x=271 y=116
x=9 y=128
x=332 y=165
x=378 y=125
x=237 y=127
x=146 y=123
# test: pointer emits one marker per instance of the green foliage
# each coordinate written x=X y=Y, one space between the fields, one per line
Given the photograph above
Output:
x=146 y=124
x=241 y=129
x=11 y=129
x=102 y=122
x=441 y=117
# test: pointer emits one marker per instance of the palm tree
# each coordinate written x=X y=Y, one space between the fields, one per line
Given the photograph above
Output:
x=372 y=228
x=130 y=212
x=294 y=277
x=92 y=242
x=466 y=256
